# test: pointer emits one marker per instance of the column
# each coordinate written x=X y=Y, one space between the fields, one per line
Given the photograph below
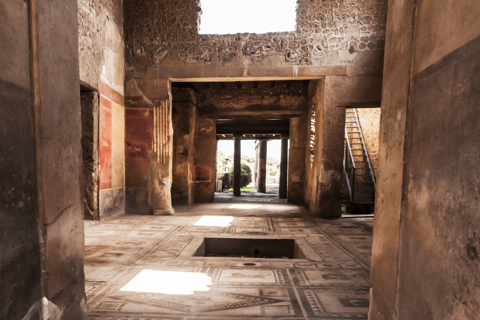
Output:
x=283 y=169
x=295 y=181
x=160 y=162
x=262 y=167
x=237 y=166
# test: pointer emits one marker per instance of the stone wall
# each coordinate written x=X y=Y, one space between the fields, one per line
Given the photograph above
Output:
x=19 y=235
x=324 y=160
x=164 y=32
x=205 y=158
x=98 y=21
x=90 y=183
x=315 y=97
x=184 y=123
x=215 y=98
x=41 y=228
x=296 y=160
x=339 y=41
x=101 y=53
x=60 y=162
x=425 y=262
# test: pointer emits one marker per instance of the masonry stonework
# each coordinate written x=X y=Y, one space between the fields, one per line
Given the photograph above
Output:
x=166 y=32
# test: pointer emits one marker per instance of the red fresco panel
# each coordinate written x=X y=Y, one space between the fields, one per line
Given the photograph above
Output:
x=138 y=144
x=105 y=144
x=111 y=94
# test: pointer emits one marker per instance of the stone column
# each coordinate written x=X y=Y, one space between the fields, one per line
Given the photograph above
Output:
x=160 y=161
x=262 y=167
x=184 y=122
x=296 y=161
x=329 y=148
x=237 y=166
x=283 y=169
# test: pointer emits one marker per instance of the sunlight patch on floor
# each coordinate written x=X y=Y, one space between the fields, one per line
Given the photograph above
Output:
x=244 y=206
x=214 y=221
x=168 y=282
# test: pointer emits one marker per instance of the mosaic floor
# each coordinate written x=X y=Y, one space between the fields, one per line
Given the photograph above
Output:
x=142 y=267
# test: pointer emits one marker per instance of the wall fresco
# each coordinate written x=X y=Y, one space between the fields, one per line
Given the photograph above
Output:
x=111 y=139
x=105 y=141
x=138 y=144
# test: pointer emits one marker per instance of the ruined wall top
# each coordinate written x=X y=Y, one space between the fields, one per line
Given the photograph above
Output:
x=100 y=42
x=161 y=33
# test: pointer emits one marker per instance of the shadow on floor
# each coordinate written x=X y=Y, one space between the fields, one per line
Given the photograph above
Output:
x=249 y=197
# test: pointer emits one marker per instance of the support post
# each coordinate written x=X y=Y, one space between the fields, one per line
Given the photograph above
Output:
x=283 y=169
x=161 y=161
x=262 y=167
x=237 y=166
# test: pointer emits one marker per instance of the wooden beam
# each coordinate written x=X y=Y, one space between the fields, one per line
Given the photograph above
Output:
x=359 y=105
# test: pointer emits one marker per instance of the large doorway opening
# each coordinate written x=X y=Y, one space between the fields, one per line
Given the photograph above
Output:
x=219 y=124
x=260 y=170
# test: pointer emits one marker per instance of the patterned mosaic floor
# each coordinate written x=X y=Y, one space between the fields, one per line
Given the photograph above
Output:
x=142 y=267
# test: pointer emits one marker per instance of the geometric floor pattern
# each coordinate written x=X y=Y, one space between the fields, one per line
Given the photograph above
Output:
x=142 y=266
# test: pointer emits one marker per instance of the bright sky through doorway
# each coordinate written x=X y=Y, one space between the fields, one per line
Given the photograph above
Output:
x=274 y=148
x=247 y=16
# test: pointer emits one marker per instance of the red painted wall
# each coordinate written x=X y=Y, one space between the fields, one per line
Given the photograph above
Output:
x=138 y=144
x=108 y=96
x=105 y=144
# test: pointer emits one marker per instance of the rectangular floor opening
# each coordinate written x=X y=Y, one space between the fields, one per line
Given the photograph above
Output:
x=250 y=248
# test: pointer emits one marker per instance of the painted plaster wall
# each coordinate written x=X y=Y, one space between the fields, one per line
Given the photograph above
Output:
x=425 y=254
x=139 y=136
x=111 y=152
x=101 y=54
x=370 y=122
x=388 y=194
x=205 y=160
x=138 y=144
x=442 y=174
x=20 y=272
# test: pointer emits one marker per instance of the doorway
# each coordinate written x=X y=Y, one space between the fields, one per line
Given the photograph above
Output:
x=90 y=120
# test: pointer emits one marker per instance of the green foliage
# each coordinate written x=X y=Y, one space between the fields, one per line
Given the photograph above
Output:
x=220 y=160
x=273 y=172
x=245 y=178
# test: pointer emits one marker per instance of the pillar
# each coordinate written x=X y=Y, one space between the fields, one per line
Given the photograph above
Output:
x=184 y=122
x=296 y=161
x=205 y=159
x=329 y=150
x=262 y=167
x=237 y=167
x=160 y=161
x=283 y=169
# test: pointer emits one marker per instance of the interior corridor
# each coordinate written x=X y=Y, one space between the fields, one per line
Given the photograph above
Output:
x=127 y=257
